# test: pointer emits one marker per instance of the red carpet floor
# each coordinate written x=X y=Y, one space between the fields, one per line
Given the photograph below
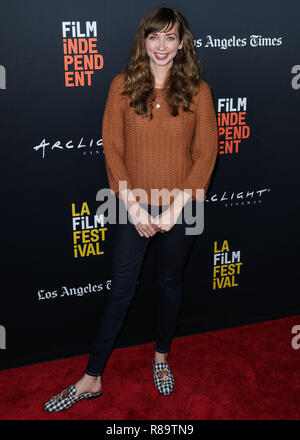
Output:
x=245 y=373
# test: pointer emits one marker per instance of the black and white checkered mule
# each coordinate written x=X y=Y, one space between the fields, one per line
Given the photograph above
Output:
x=66 y=399
x=163 y=377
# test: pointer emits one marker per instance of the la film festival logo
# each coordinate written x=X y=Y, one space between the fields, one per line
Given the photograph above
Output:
x=81 y=57
x=232 y=124
x=227 y=265
x=88 y=231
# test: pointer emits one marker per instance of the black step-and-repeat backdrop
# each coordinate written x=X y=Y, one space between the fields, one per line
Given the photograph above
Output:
x=56 y=278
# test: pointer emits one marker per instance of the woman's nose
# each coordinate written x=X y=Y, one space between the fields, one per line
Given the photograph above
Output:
x=161 y=45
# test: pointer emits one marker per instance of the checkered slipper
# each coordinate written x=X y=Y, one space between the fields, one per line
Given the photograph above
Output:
x=163 y=377
x=66 y=399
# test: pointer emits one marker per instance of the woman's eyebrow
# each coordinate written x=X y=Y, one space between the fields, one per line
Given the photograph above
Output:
x=154 y=33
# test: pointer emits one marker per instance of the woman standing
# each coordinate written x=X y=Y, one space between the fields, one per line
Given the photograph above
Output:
x=160 y=138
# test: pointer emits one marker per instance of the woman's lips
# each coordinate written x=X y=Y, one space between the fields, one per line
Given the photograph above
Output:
x=161 y=57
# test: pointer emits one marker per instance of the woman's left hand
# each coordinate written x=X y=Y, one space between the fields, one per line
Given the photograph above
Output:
x=167 y=219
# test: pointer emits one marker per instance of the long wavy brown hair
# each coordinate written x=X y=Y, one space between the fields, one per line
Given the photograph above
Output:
x=183 y=78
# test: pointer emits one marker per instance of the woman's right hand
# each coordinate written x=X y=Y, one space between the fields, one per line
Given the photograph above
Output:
x=142 y=221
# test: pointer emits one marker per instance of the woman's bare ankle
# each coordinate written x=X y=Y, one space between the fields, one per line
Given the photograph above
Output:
x=160 y=357
x=87 y=383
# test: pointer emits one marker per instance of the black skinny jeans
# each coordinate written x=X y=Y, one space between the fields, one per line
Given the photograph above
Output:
x=128 y=253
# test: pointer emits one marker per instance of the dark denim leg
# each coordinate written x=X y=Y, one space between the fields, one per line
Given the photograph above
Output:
x=174 y=249
x=128 y=255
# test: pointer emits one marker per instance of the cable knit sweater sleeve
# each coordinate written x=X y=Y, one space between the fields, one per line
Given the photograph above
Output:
x=113 y=136
x=204 y=148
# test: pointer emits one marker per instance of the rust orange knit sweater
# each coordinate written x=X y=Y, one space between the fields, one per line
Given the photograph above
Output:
x=174 y=153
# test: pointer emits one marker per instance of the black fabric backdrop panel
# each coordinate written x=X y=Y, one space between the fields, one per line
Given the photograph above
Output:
x=53 y=166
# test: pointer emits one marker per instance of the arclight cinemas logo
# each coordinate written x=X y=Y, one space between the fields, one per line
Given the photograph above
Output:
x=81 y=57
x=248 y=197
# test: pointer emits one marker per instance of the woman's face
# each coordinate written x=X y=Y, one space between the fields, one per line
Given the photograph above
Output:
x=163 y=43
